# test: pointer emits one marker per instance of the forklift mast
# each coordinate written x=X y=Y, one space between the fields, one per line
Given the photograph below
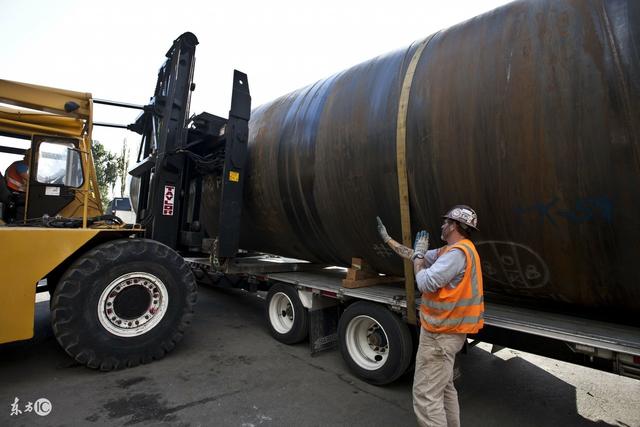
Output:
x=177 y=151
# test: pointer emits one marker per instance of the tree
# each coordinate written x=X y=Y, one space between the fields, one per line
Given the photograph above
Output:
x=106 y=164
x=123 y=167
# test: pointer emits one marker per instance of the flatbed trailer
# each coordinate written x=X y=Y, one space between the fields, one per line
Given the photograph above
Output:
x=373 y=326
x=361 y=320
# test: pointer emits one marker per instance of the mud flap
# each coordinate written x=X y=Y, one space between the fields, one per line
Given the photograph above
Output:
x=323 y=324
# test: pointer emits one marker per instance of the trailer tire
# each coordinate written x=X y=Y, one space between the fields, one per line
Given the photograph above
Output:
x=287 y=318
x=375 y=343
x=123 y=303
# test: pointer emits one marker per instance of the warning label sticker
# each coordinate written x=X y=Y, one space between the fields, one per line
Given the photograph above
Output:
x=169 y=198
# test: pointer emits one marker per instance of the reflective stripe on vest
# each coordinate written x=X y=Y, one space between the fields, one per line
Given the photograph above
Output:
x=456 y=321
x=479 y=299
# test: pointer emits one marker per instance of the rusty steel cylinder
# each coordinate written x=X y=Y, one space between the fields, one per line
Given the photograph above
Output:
x=529 y=113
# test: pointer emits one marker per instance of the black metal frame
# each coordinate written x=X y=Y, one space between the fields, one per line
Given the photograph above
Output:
x=176 y=152
x=237 y=139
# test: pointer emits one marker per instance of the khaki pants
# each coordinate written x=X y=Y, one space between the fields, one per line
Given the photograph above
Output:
x=435 y=399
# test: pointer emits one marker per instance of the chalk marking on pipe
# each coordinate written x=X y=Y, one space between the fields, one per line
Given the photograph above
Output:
x=509 y=66
x=403 y=184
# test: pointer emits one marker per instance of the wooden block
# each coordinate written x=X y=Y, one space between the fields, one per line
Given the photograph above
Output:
x=357 y=263
x=379 y=280
x=353 y=274
x=361 y=264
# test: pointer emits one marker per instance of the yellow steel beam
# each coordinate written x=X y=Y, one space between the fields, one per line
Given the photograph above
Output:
x=27 y=123
x=29 y=129
x=43 y=98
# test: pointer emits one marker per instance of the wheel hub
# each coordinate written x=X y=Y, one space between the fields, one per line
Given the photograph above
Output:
x=367 y=342
x=377 y=339
x=281 y=313
x=132 y=304
x=288 y=312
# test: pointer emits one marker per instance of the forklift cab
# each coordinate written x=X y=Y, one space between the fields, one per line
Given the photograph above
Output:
x=55 y=174
x=61 y=179
x=58 y=174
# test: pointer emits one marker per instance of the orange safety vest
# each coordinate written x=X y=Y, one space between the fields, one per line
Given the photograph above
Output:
x=16 y=181
x=459 y=310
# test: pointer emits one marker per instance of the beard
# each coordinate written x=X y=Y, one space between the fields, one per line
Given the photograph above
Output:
x=445 y=233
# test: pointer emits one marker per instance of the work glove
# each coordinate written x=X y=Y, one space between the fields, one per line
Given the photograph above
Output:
x=382 y=230
x=421 y=245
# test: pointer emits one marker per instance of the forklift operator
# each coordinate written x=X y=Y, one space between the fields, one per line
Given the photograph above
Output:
x=17 y=174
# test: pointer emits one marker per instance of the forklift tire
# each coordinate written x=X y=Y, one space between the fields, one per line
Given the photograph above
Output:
x=287 y=318
x=123 y=303
x=375 y=343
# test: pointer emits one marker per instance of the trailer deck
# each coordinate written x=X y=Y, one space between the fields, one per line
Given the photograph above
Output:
x=583 y=335
x=613 y=337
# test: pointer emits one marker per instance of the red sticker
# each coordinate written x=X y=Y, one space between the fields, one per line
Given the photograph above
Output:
x=169 y=197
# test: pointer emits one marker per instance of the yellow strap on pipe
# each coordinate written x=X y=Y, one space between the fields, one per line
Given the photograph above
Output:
x=403 y=182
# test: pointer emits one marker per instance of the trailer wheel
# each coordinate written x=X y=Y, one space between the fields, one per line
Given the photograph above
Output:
x=123 y=303
x=287 y=318
x=375 y=343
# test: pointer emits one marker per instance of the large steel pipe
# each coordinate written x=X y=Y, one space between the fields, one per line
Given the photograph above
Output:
x=529 y=113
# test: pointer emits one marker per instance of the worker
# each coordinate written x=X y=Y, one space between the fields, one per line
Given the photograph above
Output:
x=17 y=174
x=450 y=279
x=5 y=196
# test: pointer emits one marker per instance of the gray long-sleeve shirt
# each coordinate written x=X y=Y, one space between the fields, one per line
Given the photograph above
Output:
x=447 y=269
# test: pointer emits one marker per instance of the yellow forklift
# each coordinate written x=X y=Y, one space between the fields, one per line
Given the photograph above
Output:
x=117 y=299
x=120 y=294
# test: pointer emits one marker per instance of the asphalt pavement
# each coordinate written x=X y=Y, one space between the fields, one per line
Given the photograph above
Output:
x=228 y=371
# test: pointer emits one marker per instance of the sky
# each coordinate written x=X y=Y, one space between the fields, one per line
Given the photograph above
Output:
x=113 y=49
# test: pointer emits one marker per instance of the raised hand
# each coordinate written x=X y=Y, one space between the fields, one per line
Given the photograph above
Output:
x=382 y=230
x=401 y=250
x=421 y=244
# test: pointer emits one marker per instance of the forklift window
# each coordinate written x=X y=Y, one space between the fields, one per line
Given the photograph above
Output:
x=59 y=163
